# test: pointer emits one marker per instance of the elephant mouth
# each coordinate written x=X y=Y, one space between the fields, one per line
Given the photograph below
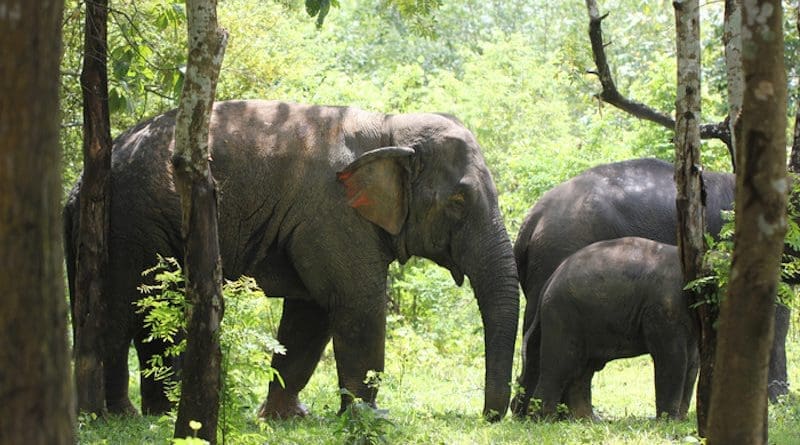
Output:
x=458 y=276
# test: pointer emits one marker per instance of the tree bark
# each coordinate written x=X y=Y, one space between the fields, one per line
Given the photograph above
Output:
x=732 y=39
x=739 y=399
x=201 y=373
x=88 y=314
x=36 y=397
x=794 y=160
x=690 y=199
x=612 y=96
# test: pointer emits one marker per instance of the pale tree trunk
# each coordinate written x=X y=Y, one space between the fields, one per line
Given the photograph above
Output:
x=202 y=360
x=733 y=64
x=689 y=183
x=36 y=394
x=95 y=198
x=739 y=398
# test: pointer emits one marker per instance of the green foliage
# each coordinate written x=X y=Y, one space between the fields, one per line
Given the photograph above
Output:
x=514 y=72
x=717 y=259
x=246 y=338
x=362 y=424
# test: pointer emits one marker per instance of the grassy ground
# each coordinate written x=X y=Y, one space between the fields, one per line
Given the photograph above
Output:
x=435 y=398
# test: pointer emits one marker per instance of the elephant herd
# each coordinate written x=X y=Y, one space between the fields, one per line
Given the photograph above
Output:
x=317 y=201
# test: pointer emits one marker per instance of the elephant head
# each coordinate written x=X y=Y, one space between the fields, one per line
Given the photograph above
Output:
x=432 y=192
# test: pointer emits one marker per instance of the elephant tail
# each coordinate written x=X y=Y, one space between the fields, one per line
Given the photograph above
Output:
x=522 y=243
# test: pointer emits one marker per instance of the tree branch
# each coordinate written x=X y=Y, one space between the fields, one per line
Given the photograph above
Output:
x=612 y=96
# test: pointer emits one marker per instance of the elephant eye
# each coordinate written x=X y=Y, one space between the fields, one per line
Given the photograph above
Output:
x=456 y=205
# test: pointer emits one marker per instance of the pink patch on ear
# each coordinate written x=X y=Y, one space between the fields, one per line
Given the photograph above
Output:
x=360 y=201
x=356 y=197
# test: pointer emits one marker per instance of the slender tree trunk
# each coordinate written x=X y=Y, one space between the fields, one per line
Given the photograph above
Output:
x=689 y=182
x=88 y=314
x=739 y=399
x=732 y=39
x=201 y=372
x=36 y=397
x=794 y=160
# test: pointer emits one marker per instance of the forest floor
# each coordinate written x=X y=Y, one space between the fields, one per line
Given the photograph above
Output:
x=436 y=398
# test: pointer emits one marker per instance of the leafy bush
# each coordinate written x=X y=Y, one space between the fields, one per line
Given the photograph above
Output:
x=246 y=338
x=717 y=259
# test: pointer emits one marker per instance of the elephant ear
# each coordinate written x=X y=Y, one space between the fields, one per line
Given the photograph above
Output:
x=377 y=186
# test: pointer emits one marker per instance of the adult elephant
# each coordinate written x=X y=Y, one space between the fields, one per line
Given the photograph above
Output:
x=628 y=198
x=315 y=202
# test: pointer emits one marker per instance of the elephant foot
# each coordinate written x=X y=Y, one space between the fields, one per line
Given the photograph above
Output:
x=519 y=406
x=122 y=407
x=776 y=389
x=281 y=406
x=156 y=408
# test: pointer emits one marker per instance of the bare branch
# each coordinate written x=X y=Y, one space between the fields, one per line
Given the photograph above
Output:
x=612 y=96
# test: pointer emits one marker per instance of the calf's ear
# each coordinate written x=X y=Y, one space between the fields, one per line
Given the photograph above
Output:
x=377 y=186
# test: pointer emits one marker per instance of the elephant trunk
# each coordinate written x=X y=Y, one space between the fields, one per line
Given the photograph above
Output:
x=492 y=271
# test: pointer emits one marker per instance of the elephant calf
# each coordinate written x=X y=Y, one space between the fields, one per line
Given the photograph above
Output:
x=614 y=299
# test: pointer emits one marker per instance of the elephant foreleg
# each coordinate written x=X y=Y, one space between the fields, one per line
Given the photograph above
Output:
x=115 y=371
x=304 y=331
x=359 y=335
x=154 y=397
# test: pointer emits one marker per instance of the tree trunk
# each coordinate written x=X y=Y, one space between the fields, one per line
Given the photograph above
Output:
x=739 y=399
x=732 y=38
x=36 y=398
x=202 y=360
x=794 y=160
x=689 y=182
x=95 y=198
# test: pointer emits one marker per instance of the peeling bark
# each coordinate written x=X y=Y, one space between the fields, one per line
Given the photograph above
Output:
x=732 y=39
x=690 y=199
x=746 y=327
x=201 y=373
x=88 y=312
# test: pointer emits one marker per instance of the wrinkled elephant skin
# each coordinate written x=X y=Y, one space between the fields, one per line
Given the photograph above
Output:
x=613 y=299
x=315 y=202
x=628 y=198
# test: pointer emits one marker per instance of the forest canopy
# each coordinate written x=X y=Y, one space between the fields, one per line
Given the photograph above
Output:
x=459 y=58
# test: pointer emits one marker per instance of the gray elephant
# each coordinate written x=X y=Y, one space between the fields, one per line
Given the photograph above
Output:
x=315 y=203
x=614 y=299
x=628 y=198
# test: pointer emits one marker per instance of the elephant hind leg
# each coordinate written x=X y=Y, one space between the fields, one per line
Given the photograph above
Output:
x=562 y=360
x=578 y=396
x=531 y=344
x=304 y=331
x=671 y=362
x=692 y=368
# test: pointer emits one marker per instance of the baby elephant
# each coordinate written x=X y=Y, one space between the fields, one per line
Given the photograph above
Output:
x=612 y=299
